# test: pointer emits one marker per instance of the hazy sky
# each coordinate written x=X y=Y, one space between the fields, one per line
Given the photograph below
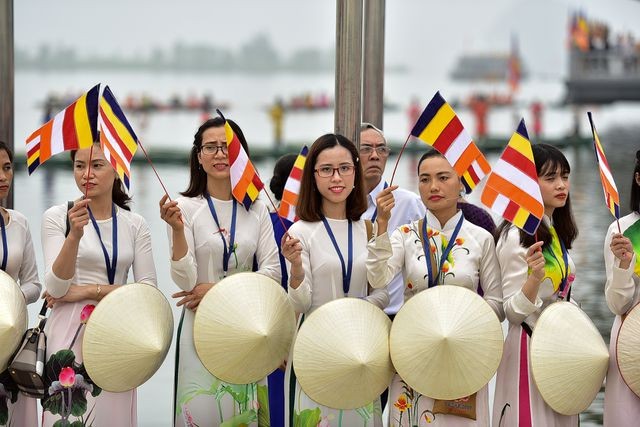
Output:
x=425 y=34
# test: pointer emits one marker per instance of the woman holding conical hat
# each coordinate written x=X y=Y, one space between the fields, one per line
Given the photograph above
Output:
x=213 y=236
x=19 y=261
x=326 y=255
x=460 y=254
x=622 y=261
x=534 y=274
x=89 y=249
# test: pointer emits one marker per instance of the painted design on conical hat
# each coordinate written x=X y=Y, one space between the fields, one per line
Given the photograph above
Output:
x=446 y=342
x=628 y=350
x=341 y=354
x=243 y=328
x=13 y=318
x=127 y=337
x=569 y=358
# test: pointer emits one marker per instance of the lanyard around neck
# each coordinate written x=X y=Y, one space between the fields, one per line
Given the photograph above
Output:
x=427 y=249
x=346 y=270
x=110 y=263
x=227 y=250
x=5 y=246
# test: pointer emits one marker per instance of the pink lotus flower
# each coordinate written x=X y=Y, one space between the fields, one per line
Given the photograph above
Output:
x=67 y=377
x=86 y=312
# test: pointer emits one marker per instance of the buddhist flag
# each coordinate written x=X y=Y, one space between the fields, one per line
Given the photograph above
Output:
x=117 y=138
x=245 y=182
x=292 y=188
x=73 y=128
x=512 y=188
x=440 y=128
x=611 y=195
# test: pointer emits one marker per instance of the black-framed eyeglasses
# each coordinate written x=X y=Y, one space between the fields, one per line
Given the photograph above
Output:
x=382 y=150
x=211 y=149
x=329 y=171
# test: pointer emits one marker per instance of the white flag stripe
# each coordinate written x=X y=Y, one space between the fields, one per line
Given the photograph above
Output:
x=458 y=146
x=57 y=142
x=238 y=167
x=500 y=204
x=293 y=185
x=112 y=142
x=478 y=170
x=512 y=174
x=606 y=172
x=35 y=141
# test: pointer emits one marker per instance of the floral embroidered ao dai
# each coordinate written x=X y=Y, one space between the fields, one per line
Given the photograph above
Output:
x=471 y=263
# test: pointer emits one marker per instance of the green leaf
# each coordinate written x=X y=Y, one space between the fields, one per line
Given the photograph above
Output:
x=264 y=419
x=62 y=423
x=242 y=419
x=77 y=424
x=78 y=402
x=307 y=418
x=4 y=411
x=53 y=403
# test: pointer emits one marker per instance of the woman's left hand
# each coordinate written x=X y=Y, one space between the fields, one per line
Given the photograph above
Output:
x=191 y=299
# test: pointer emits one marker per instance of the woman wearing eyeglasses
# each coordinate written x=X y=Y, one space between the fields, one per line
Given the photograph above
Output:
x=326 y=254
x=213 y=236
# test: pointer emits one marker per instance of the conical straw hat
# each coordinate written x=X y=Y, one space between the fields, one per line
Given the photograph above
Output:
x=243 y=328
x=628 y=350
x=446 y=342
x=127 y=337
x=341 y=355
x=569 y=358
x=13 y=318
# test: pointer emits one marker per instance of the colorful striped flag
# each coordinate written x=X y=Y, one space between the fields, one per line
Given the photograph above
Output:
x=117 y=138
x=611 y=195
x=440 y=127
x=245 y=182
x=512 y=188
x=72 y=128
x=287 y=207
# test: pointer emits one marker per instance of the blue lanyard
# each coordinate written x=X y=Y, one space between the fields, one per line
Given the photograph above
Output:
x=427 y=249
x=375 y=211
x=110 y=263
x=227 y=251
x=346 y=271
x=5 y=249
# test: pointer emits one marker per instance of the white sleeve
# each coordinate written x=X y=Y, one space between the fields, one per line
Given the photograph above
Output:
x=52 y=240
x=379 y=297
x=301 y=296
x=490 y=278
x=28 y=274
x=267 y=250
x=385 y=257
x=514 y=272
x=620 y=290
x=144 y=269
x=184 y=271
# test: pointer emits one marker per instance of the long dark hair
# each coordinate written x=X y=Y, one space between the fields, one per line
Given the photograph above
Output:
x=118 y=195
x=197 y=175
x=634 y=200
x=309 y=206
x=4 y=146
x=548 y=159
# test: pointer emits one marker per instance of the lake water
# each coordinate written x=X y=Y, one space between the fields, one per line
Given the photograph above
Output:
x=249 y=94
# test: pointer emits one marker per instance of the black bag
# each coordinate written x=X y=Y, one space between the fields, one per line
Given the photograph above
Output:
x=27 y=366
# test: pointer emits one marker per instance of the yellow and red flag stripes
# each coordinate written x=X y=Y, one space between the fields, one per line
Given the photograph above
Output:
x=291 y=190
x=440 y=127
x=245 y=182
x=72 y=128
x=117 y=138
x=512 y=189
x=611 y=195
